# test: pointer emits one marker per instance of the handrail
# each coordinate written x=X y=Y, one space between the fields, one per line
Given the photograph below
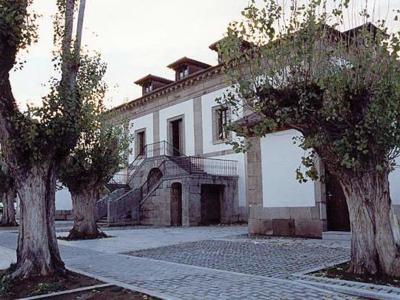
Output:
x=144 y=155
x=161 y=167
x=167 y=150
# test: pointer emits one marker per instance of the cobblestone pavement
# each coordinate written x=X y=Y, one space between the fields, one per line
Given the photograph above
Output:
x=178 y=281
x=146 y=238
x=273 y=258
x=171 y=280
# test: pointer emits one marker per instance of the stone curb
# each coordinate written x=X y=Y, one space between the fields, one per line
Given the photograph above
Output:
x=68 y=292
x=131 y=287
x=352 y=288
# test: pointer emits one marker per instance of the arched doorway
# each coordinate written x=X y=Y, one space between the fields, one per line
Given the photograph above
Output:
x=154 y=176
x=176 y=204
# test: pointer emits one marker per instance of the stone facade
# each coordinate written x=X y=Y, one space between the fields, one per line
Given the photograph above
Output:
x=156 y=209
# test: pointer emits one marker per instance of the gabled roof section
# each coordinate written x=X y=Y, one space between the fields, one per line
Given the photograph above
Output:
x=188 y=61
x=153 y=78
x=370 y=27
x=214 y=46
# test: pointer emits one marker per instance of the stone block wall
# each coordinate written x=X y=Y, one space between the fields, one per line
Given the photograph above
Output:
x=156 y=209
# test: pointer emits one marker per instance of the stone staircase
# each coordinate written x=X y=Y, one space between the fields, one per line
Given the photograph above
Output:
x=123 y=205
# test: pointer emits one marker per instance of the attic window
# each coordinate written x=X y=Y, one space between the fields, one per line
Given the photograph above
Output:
x=148 y=88
x=183 y=73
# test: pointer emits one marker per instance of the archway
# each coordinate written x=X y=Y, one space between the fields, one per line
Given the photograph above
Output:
x=153 y=177
x=176 y=204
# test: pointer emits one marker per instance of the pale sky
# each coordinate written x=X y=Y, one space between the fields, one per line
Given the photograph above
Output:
x=137 y=37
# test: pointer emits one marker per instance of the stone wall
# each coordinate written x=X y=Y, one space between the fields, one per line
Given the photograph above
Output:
x=282 y=221
x=156 y=209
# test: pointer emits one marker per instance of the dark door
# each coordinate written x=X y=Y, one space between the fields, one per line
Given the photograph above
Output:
x=176 y=136
x=336 y=206
x=211 y=197
x=176 y=204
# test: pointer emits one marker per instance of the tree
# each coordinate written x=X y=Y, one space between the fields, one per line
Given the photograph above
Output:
x=8 y=195
x=100 y=153
x=341 y=91
x=34 y=143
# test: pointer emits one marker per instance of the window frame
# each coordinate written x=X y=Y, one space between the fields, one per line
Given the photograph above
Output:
x=219 y=126
x=140 y=151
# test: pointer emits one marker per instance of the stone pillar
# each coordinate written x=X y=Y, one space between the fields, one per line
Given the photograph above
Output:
x=156 y=131
x=198 y=126
x=185 y=204
x=194 y=194
x=254 y=187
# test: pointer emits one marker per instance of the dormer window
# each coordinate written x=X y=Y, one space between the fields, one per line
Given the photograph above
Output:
x=151 y=83
x=148 y=88
x=185 y=67
x=183 y=73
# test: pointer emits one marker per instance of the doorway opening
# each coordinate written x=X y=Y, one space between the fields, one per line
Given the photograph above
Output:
x=211 y=203
x=176 y=136
x=176 y=204
x=336 y=207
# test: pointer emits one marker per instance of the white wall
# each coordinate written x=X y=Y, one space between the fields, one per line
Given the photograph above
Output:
x=394 y=180
x=63 y=199
x=145 y=122
x=240 y=158
x=208 y=102
x=186 y=109
x=279 y=160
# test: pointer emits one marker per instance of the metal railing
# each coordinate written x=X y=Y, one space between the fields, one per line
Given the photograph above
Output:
x=121 y=177
x=201 y=165
x=182 y=164
x=162 y=148
x=153 y=181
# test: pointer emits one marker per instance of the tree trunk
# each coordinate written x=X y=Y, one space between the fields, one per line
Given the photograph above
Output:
x=84 y=207
x=37 y=251
x=8 y=217
x=375 y=229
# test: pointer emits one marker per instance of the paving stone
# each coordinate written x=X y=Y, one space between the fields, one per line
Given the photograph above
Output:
x=185 y=278
x=189 y=282
x=274 y=258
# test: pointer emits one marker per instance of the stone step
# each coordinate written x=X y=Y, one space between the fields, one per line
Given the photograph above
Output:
x=104 y=223
x=336 y=235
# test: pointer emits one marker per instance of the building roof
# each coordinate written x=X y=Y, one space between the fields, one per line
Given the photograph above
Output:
x=367 y=26
x=173 y=86
x=214 y=46
x=189 y=61
x=150 y=77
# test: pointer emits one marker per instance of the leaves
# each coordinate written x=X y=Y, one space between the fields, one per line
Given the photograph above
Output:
x=340 y=90
x=102 y=148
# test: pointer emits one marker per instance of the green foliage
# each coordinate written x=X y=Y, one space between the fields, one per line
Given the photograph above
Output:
x=102 y=148
x=17 y=24
x=48 y=132
x=341 y=91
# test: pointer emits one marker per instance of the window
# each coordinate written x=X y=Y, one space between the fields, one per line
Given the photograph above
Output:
x=140 y=142
x=148 y=88
x=183 y=73
x=220 y=121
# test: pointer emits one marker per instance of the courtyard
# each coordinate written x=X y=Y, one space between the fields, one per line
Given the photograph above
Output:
x=216 y=262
